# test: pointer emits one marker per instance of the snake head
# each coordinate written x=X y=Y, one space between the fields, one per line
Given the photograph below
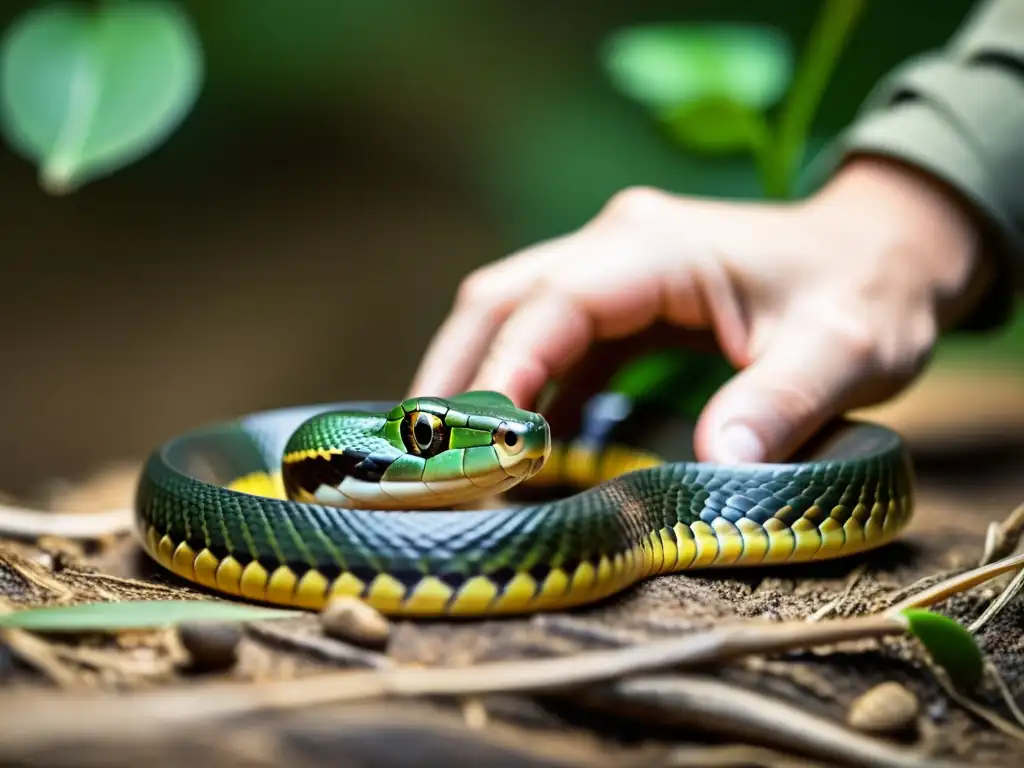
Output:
x=426 y=452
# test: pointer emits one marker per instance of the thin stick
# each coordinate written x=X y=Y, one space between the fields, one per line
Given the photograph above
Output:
x=684 y=701
x=30 y=524
x=999 y=603
x=833 y=605
x=1005 y=692
x=37 y=653
x=326 y=648
x=1003 y=538
x=957 y=584
x=985 y=714
x=733 y=756
x=31 y=716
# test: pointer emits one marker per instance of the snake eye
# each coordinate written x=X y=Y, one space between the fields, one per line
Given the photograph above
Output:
x=510 y=440
x=423 y=431
x=424 y=434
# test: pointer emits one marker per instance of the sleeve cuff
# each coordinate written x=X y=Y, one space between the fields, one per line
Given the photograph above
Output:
x=963 y=124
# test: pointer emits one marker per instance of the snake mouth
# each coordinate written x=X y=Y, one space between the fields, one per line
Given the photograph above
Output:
x=426 y=489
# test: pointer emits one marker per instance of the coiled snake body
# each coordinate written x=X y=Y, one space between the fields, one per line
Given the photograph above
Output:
x=296 y=505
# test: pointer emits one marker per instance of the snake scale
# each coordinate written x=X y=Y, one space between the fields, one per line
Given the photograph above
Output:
x=296 y=505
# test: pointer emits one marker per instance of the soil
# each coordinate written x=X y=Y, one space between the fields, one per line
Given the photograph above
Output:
x=964 y=484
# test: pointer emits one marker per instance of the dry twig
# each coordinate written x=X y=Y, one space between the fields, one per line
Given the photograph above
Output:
x=21 y=523
x=733 y=756
x=34 y=573
x=833 y=605
x=1009 y=592
x=1005 y=692
x=30 y=716
x=325 y=648
x=725 y=708
x=1003 y=538
x=983 y=712
x=37 y=653
x=954 y=585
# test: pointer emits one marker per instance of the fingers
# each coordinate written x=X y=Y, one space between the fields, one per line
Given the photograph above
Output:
x=450 y=359
x=486 y=299
x=604 y=360
x=517 y=322
x=533 y=317
x=594 y=293
x=542 y=340
x=808 y=374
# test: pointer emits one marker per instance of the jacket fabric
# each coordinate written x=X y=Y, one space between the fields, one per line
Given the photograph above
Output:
x=958 y=114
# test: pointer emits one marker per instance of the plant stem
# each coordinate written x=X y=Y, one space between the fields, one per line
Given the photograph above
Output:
x=784 y=153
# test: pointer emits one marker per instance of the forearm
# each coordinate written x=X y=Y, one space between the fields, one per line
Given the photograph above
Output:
x=958 y=115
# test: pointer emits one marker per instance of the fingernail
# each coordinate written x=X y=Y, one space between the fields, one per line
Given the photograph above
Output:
x=738 y=444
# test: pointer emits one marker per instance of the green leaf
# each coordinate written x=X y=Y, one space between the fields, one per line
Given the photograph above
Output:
x=683 y=378
x=87 y=90
x=717 y=126
x=136 y=614
x=665 y=66
x=950 y=645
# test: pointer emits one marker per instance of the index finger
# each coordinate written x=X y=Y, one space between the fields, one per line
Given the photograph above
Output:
x=486 y=299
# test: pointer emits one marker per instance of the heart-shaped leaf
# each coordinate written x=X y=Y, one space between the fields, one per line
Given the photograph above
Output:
x=136 y=614
x=87 y=90
x=950 y=645
x=717 y=126
x=665 y=66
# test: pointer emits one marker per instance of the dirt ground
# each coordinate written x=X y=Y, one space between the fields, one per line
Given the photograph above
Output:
x=969 y=472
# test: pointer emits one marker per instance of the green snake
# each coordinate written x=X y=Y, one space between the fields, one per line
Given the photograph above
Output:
x=298 y=505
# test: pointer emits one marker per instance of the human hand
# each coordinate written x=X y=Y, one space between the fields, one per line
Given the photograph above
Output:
x=824 y=305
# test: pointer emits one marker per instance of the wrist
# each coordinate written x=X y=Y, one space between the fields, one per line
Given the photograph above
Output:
x=900 y=212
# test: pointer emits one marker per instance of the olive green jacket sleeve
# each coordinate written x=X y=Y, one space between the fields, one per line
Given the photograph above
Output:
x=958 y=113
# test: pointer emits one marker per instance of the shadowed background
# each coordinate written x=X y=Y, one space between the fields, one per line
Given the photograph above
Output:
x=302 y=234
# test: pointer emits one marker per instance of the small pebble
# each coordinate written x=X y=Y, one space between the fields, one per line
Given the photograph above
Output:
x=212 y=646
x=938 y=710
x=888 y=708
x=351 y=620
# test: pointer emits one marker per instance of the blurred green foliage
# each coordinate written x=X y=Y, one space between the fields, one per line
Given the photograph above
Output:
x=713 y=87
x=665 y=65
x=729 y=99
x=87 y=90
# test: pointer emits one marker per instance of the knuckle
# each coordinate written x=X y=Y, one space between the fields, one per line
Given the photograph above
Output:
x=919 y=345
x=871 y=347
x=636 y=203
x=795 y=402
x=476 y=289
x=558 y=284
x=857 y=339
x=925 y=334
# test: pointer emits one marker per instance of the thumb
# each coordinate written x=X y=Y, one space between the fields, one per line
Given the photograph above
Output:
x=766 y=411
